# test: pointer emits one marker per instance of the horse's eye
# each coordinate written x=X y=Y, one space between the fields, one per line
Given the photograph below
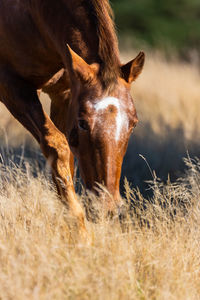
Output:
x=82 y=124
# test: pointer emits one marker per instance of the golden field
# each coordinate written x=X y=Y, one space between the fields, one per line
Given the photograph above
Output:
x=154 y=254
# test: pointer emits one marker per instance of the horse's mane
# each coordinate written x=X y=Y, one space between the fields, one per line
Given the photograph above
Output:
x=102 y=15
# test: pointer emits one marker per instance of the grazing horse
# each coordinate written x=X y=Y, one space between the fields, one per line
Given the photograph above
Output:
x=92 y=112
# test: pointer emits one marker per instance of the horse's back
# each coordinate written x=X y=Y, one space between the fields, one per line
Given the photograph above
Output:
x=22 y=47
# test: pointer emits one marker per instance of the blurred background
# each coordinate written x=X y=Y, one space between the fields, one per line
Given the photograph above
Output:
x=157 y=24
x=166 y=95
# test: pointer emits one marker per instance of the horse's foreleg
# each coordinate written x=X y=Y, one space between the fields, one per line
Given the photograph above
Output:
x=58 y=114
x=56 y=149
x=58 y=89
x=22 y=101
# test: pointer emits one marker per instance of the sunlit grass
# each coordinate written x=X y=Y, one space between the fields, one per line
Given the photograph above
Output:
x=153 y=255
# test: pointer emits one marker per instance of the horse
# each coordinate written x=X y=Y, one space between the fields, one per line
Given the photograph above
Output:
x=69 y=50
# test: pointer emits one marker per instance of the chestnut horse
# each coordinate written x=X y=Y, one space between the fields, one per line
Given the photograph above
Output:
x=92 y=112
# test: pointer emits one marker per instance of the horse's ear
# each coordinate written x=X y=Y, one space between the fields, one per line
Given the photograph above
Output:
x=133 y=68
x=79 y=67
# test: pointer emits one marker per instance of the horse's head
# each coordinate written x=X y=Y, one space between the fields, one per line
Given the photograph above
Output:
x=103 y=121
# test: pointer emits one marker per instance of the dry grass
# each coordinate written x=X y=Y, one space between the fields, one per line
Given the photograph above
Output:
x=38 y=259
x=155 y=256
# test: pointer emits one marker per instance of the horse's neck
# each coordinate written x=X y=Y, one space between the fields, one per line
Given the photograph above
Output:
x=63 y=23
x=89 y=33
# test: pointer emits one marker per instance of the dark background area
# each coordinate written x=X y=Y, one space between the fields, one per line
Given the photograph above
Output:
x=164 y=25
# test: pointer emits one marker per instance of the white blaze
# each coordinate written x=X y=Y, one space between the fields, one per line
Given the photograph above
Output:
x=121 y=118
